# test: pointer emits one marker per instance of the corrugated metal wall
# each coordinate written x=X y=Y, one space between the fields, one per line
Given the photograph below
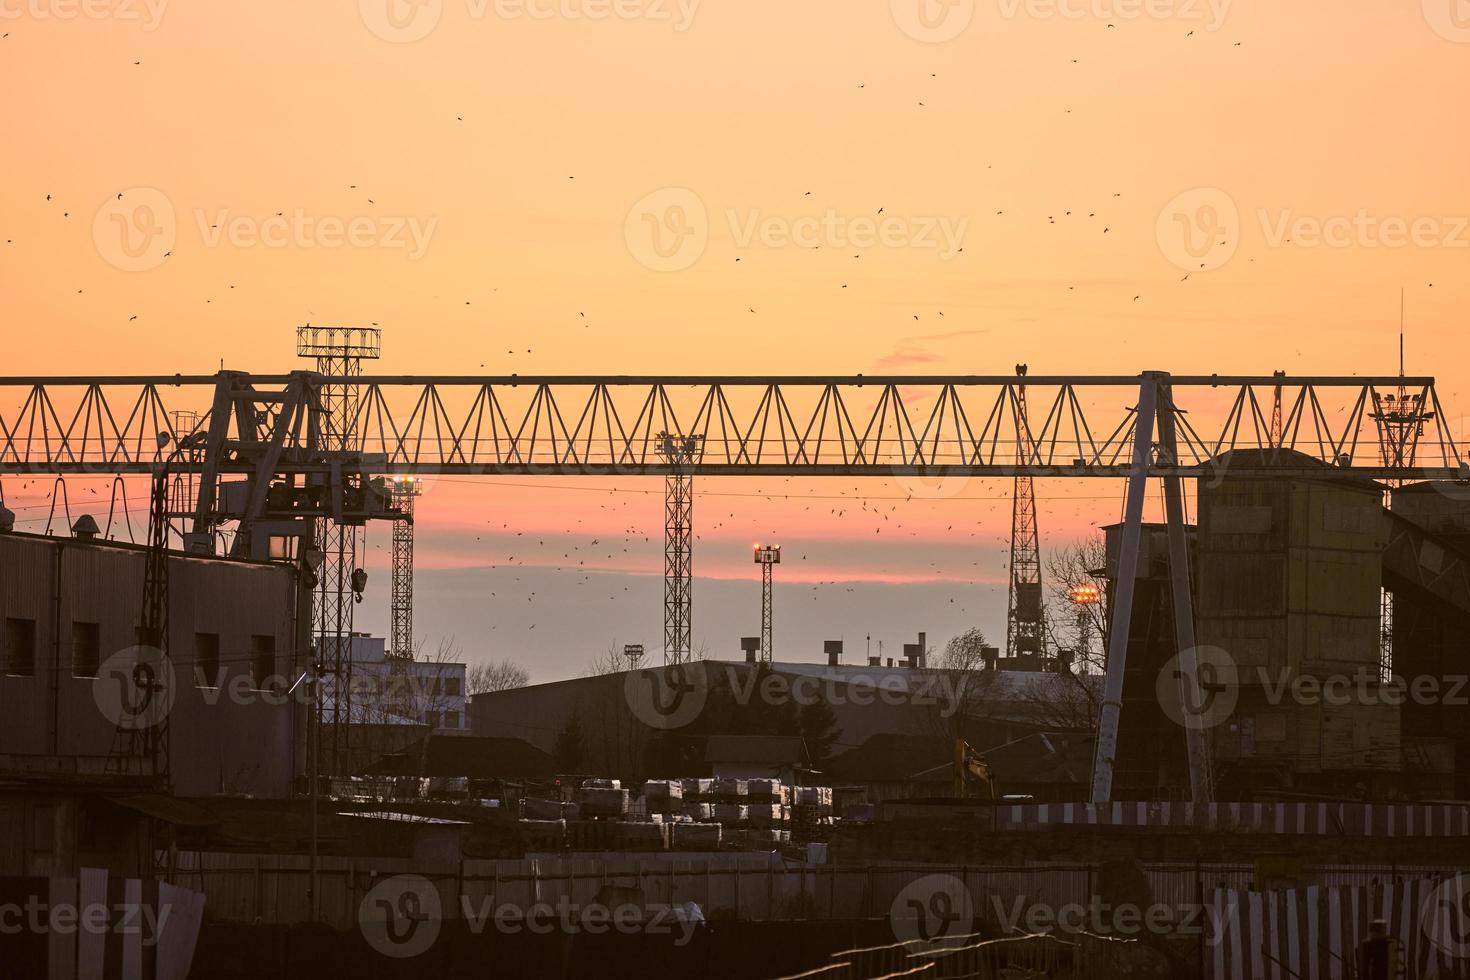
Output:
x=220 y=743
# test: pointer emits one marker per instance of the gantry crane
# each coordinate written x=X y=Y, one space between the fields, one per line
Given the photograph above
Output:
x=1025 y=615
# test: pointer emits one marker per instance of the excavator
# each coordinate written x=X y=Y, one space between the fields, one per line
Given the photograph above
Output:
x=971 y=773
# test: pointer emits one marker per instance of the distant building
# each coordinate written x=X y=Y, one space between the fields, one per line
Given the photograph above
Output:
x=780 y=757
x=588 y=724
x=394 y=691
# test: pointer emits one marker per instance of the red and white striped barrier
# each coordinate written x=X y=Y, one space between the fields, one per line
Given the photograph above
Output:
x=1331 y=819
x=95 y=927
x=1316 y=931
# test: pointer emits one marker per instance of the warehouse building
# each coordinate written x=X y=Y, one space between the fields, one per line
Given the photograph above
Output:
x=69 y=604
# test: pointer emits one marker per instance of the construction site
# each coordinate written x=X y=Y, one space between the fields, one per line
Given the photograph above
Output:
x=1250 y=756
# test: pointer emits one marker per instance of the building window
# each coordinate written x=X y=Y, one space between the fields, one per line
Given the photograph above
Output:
x=262 y=660
x=20 y=647
x=431 y=718
x=451 y=686
x=86 y=649
x=206 y=660
x=451 y=719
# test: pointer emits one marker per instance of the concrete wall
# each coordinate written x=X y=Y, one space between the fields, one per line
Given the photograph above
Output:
x=50 y=720
x=1289 y=579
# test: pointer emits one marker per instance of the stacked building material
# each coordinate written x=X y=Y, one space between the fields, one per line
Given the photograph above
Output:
x=727 y=789
x=663 y=795
x=640 y=836
x=697 y=836
x=602 y=801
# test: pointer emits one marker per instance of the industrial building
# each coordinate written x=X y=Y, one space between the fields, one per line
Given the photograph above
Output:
x=70 y=603
x=1289 y=586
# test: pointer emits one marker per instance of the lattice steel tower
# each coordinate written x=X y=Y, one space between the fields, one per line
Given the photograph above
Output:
x=1400 y=419
x=339 y=353
x=400 y=636
x=680 y=451
x=1025 y=621
x=767 y=557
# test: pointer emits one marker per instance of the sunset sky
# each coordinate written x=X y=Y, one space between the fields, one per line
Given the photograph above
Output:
x=674 y=186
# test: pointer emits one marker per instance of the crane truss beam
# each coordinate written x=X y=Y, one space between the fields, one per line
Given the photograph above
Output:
x=801 y=426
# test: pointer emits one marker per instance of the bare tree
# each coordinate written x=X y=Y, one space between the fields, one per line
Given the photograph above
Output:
x=1073 y=571
x=960 y=667
x=496 y=675
x=609 y=661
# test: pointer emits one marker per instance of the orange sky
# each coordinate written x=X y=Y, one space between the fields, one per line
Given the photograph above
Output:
x=578 y=186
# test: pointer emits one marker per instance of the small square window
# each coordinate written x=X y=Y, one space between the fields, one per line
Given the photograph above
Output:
x=20 y=647
x=262 y=660
x=86 y=649
x=206 y=660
